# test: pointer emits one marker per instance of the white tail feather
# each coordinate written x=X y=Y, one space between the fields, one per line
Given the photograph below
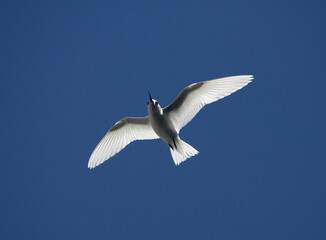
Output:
x=182 y=152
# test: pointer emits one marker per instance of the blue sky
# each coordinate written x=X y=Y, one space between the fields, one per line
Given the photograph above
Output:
x=71 y=69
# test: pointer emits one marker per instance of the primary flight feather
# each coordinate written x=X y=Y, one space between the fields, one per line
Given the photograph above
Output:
x=166 y=123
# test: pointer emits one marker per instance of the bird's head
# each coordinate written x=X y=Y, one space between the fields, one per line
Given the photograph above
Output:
x=153 y=105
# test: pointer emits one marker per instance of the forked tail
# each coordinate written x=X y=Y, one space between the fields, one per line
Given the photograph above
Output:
x=182 y=151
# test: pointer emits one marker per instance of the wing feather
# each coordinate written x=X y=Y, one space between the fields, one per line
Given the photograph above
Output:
x=194 y=97
x=119 y=136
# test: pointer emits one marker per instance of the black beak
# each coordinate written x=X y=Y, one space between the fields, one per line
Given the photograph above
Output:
x=150 y=97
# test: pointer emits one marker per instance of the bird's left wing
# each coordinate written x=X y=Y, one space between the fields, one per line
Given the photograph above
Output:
x=197 y=95
x=119 y=136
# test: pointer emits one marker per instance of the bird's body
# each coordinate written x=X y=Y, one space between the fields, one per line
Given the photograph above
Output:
x=160 y=123
x=164 y=128
x=167 y=122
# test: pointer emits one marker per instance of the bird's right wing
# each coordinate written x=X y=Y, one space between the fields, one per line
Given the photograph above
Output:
x=197 y=95
x=119 y=136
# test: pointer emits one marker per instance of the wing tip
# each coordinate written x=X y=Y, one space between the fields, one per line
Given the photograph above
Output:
x=94 y=161
x=247 y=77
x=91 y=165
x=236 y=78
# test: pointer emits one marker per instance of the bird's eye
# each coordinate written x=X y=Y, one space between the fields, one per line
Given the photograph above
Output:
x=156 y=103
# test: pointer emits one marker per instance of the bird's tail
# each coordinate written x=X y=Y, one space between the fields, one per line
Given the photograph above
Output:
x=182 y=151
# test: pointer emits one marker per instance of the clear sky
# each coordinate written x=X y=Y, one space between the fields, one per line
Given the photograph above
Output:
x=71 y=69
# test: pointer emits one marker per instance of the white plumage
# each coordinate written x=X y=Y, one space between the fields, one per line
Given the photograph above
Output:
x=166 y=123
x=119 y=136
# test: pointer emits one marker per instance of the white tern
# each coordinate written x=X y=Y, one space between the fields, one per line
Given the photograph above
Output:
x=166 y=122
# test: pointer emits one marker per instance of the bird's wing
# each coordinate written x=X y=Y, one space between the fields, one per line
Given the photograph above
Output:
x=119 y=136
x=197 y=95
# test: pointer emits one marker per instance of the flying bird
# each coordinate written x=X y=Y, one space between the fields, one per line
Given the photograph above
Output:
x=166 y=123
